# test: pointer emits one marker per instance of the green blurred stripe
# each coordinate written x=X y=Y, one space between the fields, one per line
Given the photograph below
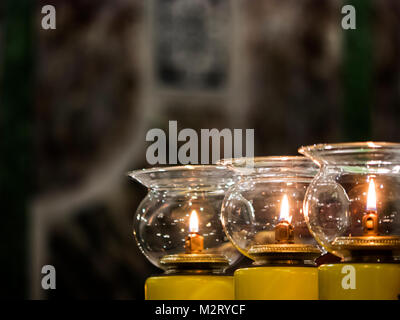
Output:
x=357 y=74
x=16 y=110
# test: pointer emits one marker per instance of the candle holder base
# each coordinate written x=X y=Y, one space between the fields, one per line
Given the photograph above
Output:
x=367 y=248
x=198 y=263
x=276 y=283
x=368 y=242
x=190 y=287
x=284 y=254
x=359 y=281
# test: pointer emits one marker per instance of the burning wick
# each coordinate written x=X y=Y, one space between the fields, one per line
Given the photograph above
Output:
x=370 y=219
x=194 y=243
x=284 y=230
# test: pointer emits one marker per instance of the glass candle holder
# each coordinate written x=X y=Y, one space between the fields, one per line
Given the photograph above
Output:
x=178 y=228
x=262 y=215
x=352 y=208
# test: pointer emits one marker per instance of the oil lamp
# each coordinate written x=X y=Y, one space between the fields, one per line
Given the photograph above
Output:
x=263 y=217
x=352 y=208
x=177 y=227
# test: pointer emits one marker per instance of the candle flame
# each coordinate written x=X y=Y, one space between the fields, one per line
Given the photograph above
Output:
x=194 y=222
x=285 y=209
x=371 y=198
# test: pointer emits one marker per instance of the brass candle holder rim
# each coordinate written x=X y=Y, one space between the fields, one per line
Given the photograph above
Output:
x=267 y=249
x=367 y=243
x=194 y=258
x=284 y=254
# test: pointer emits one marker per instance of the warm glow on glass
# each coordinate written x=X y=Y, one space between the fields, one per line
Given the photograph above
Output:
x=285 y=209
x=194 y=222
x=371 y=198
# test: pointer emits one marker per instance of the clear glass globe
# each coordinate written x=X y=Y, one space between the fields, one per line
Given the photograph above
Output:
x=352 y=207
x=270 y=191
x=163 y=218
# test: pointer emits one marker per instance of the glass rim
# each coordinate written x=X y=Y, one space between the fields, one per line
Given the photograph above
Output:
x=272 y=166
x=369 y=153
x=348 y=147
x=264 y=161
x=175 y=177
x=187 y=167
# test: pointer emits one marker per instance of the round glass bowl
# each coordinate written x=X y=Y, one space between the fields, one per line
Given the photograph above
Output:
x=352 y=207
x=178 y=225
x=262 y=213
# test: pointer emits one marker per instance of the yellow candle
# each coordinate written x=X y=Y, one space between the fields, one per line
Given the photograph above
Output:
x=359 y=281
x=276 y=283
x=190 y=287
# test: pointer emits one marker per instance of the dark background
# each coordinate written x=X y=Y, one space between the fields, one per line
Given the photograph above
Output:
x=76 y=103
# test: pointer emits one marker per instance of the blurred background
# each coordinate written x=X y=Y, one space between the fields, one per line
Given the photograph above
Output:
x=76 y=103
